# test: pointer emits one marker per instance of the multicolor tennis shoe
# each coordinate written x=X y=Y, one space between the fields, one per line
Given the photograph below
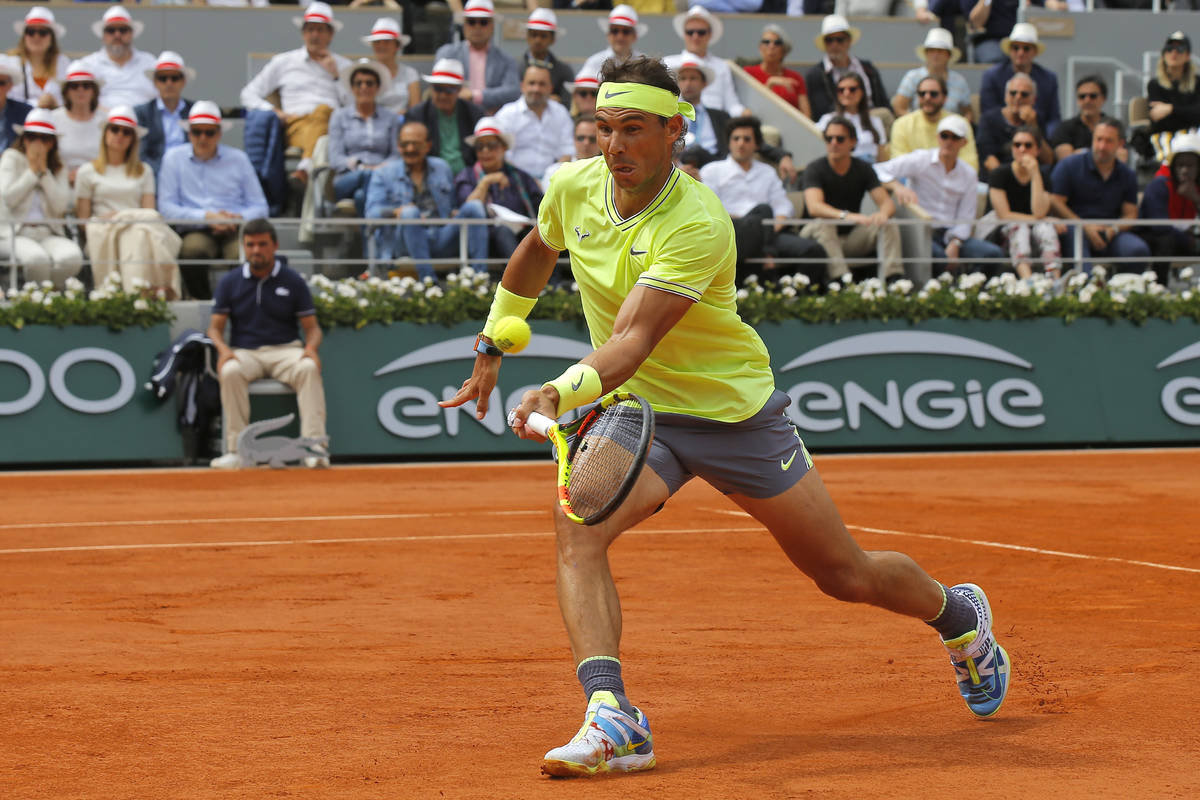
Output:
x=609 y=741
x=980 y=664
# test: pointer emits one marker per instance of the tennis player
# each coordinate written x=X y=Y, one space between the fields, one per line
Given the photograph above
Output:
x=653 y=253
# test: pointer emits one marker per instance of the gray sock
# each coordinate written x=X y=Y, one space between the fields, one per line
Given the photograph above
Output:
x=958 y=616
x=603 y=674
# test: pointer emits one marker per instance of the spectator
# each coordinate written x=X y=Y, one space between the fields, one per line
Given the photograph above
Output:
x=753 y=194
x=163 y=117
x=212 y=185
x=40 y=62
x=118 y=188
x=419 y=186
x=997 y=126
x=539 y=126
x=995 y=19
x=1093 y=184
x=492 y=77
x=1022 y=47
x=12 y=112
x=938 y=52
x=774 y=47
x=36 y=190
x=622 y=29
x=1020 y=197
x=834 y=187
x=404 y=85
x=699 y=29
x=583 y=94
x=917 y=130
x=448 y=118
x=1173 y=94
x=306 y=79
x=541 y=31
x=79 y=118
x=361 y=136
x=836 y=38
x=586 y=146
x=945 y=187
x=492 y=182
x=119 y=66
x=871 y=139
x=1175 y=195
x=1091 y=93
x=264 y=299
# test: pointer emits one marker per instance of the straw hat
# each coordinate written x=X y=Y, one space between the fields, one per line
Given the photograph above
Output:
x=701 y=13
x=386 y=29
x=625 y=17
x=1025 y=33
x=170 y=61
x=79 y=72
x=448 y=72
x=39 y=120
x=124 y=117
x=117 y=14
x=584 y=80
x=543 y=19
x=205 y=112
x=372 y=66
x=39 y=17
x=318 y=12
x=480 y=9
x=939 y=39
x=487 y=126
x=836 y=23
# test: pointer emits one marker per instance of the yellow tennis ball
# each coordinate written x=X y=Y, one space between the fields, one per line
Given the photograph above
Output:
x=511 y=334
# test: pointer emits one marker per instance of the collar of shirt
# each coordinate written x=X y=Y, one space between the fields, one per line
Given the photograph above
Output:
x=247 y=274
x=162 y=107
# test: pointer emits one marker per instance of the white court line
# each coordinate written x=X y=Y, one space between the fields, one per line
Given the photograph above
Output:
x=123 y=523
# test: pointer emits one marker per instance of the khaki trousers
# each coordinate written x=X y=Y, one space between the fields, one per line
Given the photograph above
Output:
x=303 y=132
x=859 y=242
x=283 y=362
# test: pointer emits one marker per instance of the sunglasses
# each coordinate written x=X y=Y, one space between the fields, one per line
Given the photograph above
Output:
x=410 y=145
x=1023 y=145
x=482 y=146
x=440 y=88
x=40 y=137
x=929 y=93
x=947 y=135
x=538 y=34
x=120 y=130
x=1088 y=95
x=697 y=32
x=203 y=133
x=840 y=138
x=365 y=83
x=37 y=31
x=1020 y=48
x=581 y=138
x=839 y=39
x=478 y=21
x=115 y=31
x=848 y=89
x=71 y=86
x=771 y=42
x=617 y=30
x=1019 y=93
x=174 y=78
x=1176 y=47
x=587 y=92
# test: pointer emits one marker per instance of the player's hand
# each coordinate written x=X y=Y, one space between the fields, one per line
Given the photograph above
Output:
x=479 y=386
x=224 y=358
x=544 y=401
x=310 y=352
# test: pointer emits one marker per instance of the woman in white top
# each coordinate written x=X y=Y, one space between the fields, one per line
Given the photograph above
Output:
x=33 y=190
x=42 y=64
x=387 y=41
x=78 y=120
x=115 y=193
x=851 y=104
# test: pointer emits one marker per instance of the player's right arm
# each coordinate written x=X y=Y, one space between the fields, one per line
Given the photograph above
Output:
x=526 y=274
x=216 y=332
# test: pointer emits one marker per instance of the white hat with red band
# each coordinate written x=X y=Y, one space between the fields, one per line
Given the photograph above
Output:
x=39 y=17
x=482 y=9
x=116 y=16
x=386 y=29
x=124 y=117
x=487 y=126
x=318 y=12
x=716 y=28
x=625 y=17
x=79 y=72
x=170 y=61
x=370 y=65
x=205 y=112
x=584 y=80
x=543 y=19
x=447 y=71
x=39 y=120
x=11 y=66
x=689 y=61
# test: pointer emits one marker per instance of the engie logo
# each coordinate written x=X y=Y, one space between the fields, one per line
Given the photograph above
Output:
x=932 y=404
x=58 y=381
x=1180 y=394
x=412 y=412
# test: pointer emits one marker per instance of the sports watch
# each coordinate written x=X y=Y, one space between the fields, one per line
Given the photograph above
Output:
x=486 y=348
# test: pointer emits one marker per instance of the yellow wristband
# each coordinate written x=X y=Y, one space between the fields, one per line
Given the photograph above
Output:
x=578 y=386
x=507 y=304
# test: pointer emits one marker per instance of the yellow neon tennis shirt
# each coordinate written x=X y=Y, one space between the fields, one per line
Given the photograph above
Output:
x=711 y=364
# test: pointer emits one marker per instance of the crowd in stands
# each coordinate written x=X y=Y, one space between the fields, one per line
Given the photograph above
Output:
x=113 y=139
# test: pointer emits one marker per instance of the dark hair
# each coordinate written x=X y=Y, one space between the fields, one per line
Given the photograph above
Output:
x=753 y=123
x=53 y=159
x=368 y=71
x=259 y=225
x=644 y=70
x=940 y=82
x=864 y=108
x=94 y=103
x=1111 y=122
x=838 y=119
x=1096 y=79
x=535 y=64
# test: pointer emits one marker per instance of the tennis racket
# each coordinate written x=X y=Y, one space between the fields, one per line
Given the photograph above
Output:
x=600 y=455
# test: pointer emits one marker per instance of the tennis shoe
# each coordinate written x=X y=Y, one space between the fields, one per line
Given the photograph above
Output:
x=227 y=461
x=609 y=741
x=981 y=666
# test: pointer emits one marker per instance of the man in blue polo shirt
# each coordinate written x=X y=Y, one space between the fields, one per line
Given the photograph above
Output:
x=268 y=303
x=1094 y=184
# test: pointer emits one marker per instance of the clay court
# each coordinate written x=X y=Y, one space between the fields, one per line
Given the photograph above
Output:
x=392 y=632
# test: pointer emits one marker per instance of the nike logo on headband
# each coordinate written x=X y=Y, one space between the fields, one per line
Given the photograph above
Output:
x=610 y=94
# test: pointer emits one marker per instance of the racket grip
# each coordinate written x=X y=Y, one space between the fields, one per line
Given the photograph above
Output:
x=539 y=422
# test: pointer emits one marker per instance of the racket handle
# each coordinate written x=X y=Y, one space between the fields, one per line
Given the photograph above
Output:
x=539 y=422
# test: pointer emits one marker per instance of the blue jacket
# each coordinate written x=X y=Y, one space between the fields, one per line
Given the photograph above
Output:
x=265 y=143
x=991 y=93
x=502 y=76
x=154 y=143
x=14 y=114
x=391 y=188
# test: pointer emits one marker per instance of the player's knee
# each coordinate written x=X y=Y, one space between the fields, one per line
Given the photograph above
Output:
x=232 y=370
x=306 y=368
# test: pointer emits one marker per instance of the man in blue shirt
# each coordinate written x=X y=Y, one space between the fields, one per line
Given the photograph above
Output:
x=1094 y=184
x=1022 y=47
x=163 y=117
x=267 y=303
x=213 y=185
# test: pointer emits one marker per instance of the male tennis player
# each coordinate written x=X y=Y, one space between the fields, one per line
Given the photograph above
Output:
x=653 y=253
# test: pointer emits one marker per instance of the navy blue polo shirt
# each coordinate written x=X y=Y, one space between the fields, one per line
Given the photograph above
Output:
x=266 y=311
x=1089 y=195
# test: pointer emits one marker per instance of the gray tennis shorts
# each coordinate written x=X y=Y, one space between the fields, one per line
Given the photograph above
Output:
x=759 y=457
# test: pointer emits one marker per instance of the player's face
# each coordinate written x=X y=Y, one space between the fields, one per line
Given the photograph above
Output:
x=637 y=146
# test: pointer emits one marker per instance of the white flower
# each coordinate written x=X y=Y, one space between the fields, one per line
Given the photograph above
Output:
x=140 y=304
x=1086 y=294
x=751 y=280
x=138 y=283
x=1149 y=276
x=1023 y=289
x=946 y=277
x=1187 y=295
x=47 y=285
x=960 y=296
x=452 y=279
x=434 y=291
x=574 y=287
x=931 y=285
x=1186 y=273
x=363 y=302
x=847 y=278
x=743 y=294
x=1078 y=280
x=49 y=301
x=346 y=290
x=788 y=291
x=984 y=297
x=38 y=296
x=374 y=281
x=74 y=284
x=1099 y=271
x=1118 y=298
x=97 y=294
x=835 y=287
x=902 y=286
x=113 y=278
x=428 y=280
x=1156 y=288
x=802 y=279
x=786 y=280
x=992 y=283
x=29 y=286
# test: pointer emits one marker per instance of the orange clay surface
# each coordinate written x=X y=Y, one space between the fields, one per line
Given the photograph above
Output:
x=392 y=632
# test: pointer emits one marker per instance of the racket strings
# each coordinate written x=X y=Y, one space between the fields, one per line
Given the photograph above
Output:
x=606 y=452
